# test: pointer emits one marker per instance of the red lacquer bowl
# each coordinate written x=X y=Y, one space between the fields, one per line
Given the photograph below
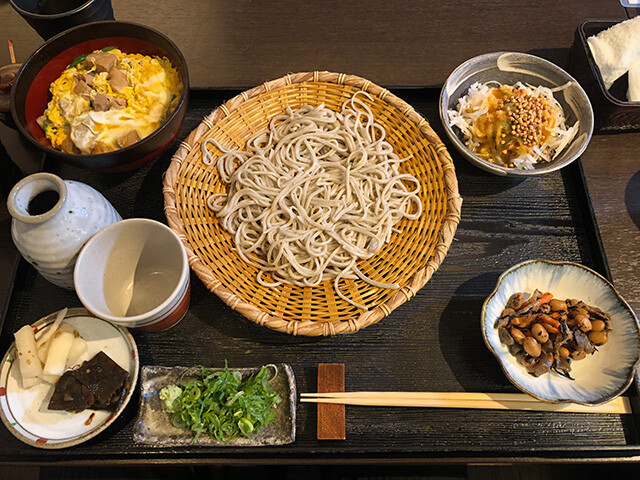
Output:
x=30 y=93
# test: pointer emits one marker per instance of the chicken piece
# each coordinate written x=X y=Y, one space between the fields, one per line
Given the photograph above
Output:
x=118 y=80
x=118 y=102
x=99 y=147
x=83 y=90
x=40 y=121
x=65 y=105
x=128 y=139
x=102 y=102
x=101 y=61
x=67 y=146
x=86 y=77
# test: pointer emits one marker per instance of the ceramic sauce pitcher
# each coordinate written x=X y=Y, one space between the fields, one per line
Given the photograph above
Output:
x=53 y=219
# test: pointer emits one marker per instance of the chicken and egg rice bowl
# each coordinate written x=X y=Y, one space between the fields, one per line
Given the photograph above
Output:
x=108 y=100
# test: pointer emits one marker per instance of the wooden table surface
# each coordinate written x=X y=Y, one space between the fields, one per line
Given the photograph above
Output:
x=612 y=167
x=243 y=43
x=404 y=43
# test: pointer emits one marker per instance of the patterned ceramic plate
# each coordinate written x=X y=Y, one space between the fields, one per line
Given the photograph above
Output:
x=599 y=377
x=25 y=413
x=154 y=426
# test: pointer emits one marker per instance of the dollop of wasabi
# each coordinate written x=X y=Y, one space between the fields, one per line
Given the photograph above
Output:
x=169 y=396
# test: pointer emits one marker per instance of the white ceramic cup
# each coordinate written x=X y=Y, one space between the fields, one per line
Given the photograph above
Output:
x=135 y=273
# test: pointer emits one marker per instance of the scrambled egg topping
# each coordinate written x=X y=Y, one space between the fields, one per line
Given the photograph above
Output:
x=99 y=115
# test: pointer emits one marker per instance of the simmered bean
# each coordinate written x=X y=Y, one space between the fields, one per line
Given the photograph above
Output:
x=581 y=311
x=517 y=335
x=532 y=347
x=578 y=355
x=540 y=333
x=583 y=323
x=546 y=333
x=557 y=305
x=598 y=338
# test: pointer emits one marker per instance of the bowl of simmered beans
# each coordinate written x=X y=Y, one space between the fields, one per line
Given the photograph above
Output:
x=562 y=333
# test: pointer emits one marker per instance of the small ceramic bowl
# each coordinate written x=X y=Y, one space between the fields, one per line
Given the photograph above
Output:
x=598 y=378
x=510 y=68
x=134 y=273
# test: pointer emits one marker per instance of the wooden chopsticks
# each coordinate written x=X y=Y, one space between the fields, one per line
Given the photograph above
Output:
x=501 y=401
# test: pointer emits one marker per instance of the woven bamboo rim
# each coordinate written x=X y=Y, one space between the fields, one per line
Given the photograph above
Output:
x=410 y=258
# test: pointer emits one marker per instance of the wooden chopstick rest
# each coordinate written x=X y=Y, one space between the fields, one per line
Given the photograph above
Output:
x=331 y=417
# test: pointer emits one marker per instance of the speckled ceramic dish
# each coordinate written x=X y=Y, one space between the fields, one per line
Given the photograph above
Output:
x=24 y=411
x=154 y=426
x=510 y=68
x=599 y=377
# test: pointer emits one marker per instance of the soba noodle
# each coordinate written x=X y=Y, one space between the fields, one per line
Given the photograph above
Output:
x=313 y=195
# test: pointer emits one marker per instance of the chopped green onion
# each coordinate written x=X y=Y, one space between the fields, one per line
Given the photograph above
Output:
x=220 y=404
x=77 y=61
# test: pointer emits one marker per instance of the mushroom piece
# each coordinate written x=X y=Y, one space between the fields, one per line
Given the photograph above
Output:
x=563 y=367
x=544 y=365
x=505 y=337
x=582 y=342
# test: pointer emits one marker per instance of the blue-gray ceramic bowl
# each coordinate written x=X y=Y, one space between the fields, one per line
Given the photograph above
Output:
x=510 y=68
x=598 y=378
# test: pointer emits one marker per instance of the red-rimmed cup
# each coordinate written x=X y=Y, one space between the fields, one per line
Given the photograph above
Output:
x=135 y=273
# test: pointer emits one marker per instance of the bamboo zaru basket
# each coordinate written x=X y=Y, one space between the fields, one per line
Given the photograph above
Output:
x=409 y=259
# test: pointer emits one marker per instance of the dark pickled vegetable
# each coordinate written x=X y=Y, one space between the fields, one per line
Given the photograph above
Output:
x=98 y=383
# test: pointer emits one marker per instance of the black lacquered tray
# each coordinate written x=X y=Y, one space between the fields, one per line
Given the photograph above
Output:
x=431 y=343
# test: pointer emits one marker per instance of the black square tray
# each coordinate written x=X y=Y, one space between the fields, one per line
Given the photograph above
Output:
x=431 y=343
x=611 y=113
